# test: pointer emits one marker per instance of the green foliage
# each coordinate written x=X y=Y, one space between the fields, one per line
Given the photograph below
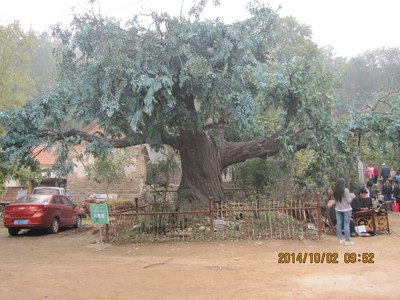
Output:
x=149 y=77
x=16 y=84
x=109 y=168
x=163 y=172
x=26 y=176
x=260 y=176
x=160 y=81
x=142 y=82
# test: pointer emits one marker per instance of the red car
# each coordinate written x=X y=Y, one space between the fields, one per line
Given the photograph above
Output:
x=41 y=211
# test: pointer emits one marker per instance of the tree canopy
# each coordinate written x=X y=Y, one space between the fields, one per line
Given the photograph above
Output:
x=217 y=93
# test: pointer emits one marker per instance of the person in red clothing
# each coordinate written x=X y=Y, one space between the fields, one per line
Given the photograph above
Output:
x=376 y=174
x=370 y=173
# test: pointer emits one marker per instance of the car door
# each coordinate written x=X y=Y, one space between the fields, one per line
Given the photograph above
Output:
x=69 y=211
x=58 y=209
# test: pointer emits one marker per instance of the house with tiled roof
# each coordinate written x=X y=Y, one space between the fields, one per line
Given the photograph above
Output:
x=77 y=183
x=46 y=158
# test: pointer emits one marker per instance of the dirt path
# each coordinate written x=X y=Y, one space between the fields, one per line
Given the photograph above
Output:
x=68 y=266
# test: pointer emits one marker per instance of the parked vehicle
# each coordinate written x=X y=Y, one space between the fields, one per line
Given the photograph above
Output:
x=48 y=190
x=41 y=211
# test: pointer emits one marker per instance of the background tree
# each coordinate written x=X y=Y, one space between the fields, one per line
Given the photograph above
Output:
x=368 y=99
x=43 y=62
x=16 y=84
x=205 y=88
x=27 y=176
x=370 y=80
x=161 y=174
x=109 y=168
x=264 y=177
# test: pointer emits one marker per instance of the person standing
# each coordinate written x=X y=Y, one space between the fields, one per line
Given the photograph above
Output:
x=397 y=176
x=343 y=211
x=376 y=174
x=387 y=190
x=385 y=172
x=396 y=191
x=370 y=173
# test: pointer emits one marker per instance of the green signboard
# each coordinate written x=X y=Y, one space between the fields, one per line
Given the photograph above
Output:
x=99 y=213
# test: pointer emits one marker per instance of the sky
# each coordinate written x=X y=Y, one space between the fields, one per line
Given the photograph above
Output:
x=351 y=27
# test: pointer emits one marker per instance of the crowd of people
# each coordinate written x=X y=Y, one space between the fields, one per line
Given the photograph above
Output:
x=382 y=186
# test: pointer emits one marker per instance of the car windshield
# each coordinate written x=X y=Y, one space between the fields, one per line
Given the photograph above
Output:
x=33 y=199
x=46 y=191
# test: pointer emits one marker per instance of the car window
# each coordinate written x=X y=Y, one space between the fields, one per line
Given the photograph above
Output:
x=46 y=191
x=57 y=200
x=67 y=201
x=42 y=199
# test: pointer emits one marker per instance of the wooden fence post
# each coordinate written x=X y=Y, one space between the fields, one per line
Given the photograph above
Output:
x=136 y=204
x=107 y=229
x=107 y=234
x=319 y=214
x=211 y=207
x=136 y=208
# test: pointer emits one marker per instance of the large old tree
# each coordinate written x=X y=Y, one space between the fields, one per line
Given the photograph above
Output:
x=217 y=93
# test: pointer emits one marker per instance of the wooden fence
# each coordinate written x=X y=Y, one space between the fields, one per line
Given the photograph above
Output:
x=164 y=222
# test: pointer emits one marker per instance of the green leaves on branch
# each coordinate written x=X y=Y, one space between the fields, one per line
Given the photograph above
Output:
x=110 y=168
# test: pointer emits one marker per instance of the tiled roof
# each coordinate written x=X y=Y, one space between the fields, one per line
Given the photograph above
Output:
x=45 y=157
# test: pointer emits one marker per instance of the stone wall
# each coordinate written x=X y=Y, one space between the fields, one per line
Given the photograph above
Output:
x=81 y=188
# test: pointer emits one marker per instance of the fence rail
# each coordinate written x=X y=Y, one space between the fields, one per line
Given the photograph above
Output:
x=222 y=221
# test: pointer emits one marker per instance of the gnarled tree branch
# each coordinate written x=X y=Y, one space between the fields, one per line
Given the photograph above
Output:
x=232 y=153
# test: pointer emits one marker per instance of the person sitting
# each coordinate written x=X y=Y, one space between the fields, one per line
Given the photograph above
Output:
x=363 y=213
x=370 y=193
x=361 y=202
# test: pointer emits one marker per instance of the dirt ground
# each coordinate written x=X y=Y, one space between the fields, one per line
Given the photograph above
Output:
x=73 y=265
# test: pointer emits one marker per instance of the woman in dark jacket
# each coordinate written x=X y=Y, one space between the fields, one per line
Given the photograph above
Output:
x=387 y=190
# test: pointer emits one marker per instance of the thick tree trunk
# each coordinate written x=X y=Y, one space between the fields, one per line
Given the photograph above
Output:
x=203 y=162
x=201 y=168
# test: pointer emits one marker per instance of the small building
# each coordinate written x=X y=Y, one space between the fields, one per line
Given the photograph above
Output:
x=13 y=189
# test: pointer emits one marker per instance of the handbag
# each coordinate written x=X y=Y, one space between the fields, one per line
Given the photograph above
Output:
x=395 y=206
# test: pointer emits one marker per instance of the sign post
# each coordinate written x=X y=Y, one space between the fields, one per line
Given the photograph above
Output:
x=99 y=215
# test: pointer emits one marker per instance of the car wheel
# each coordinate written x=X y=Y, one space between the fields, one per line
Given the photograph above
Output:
x=13 y=231
x=55 y=225
x=78 y=223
